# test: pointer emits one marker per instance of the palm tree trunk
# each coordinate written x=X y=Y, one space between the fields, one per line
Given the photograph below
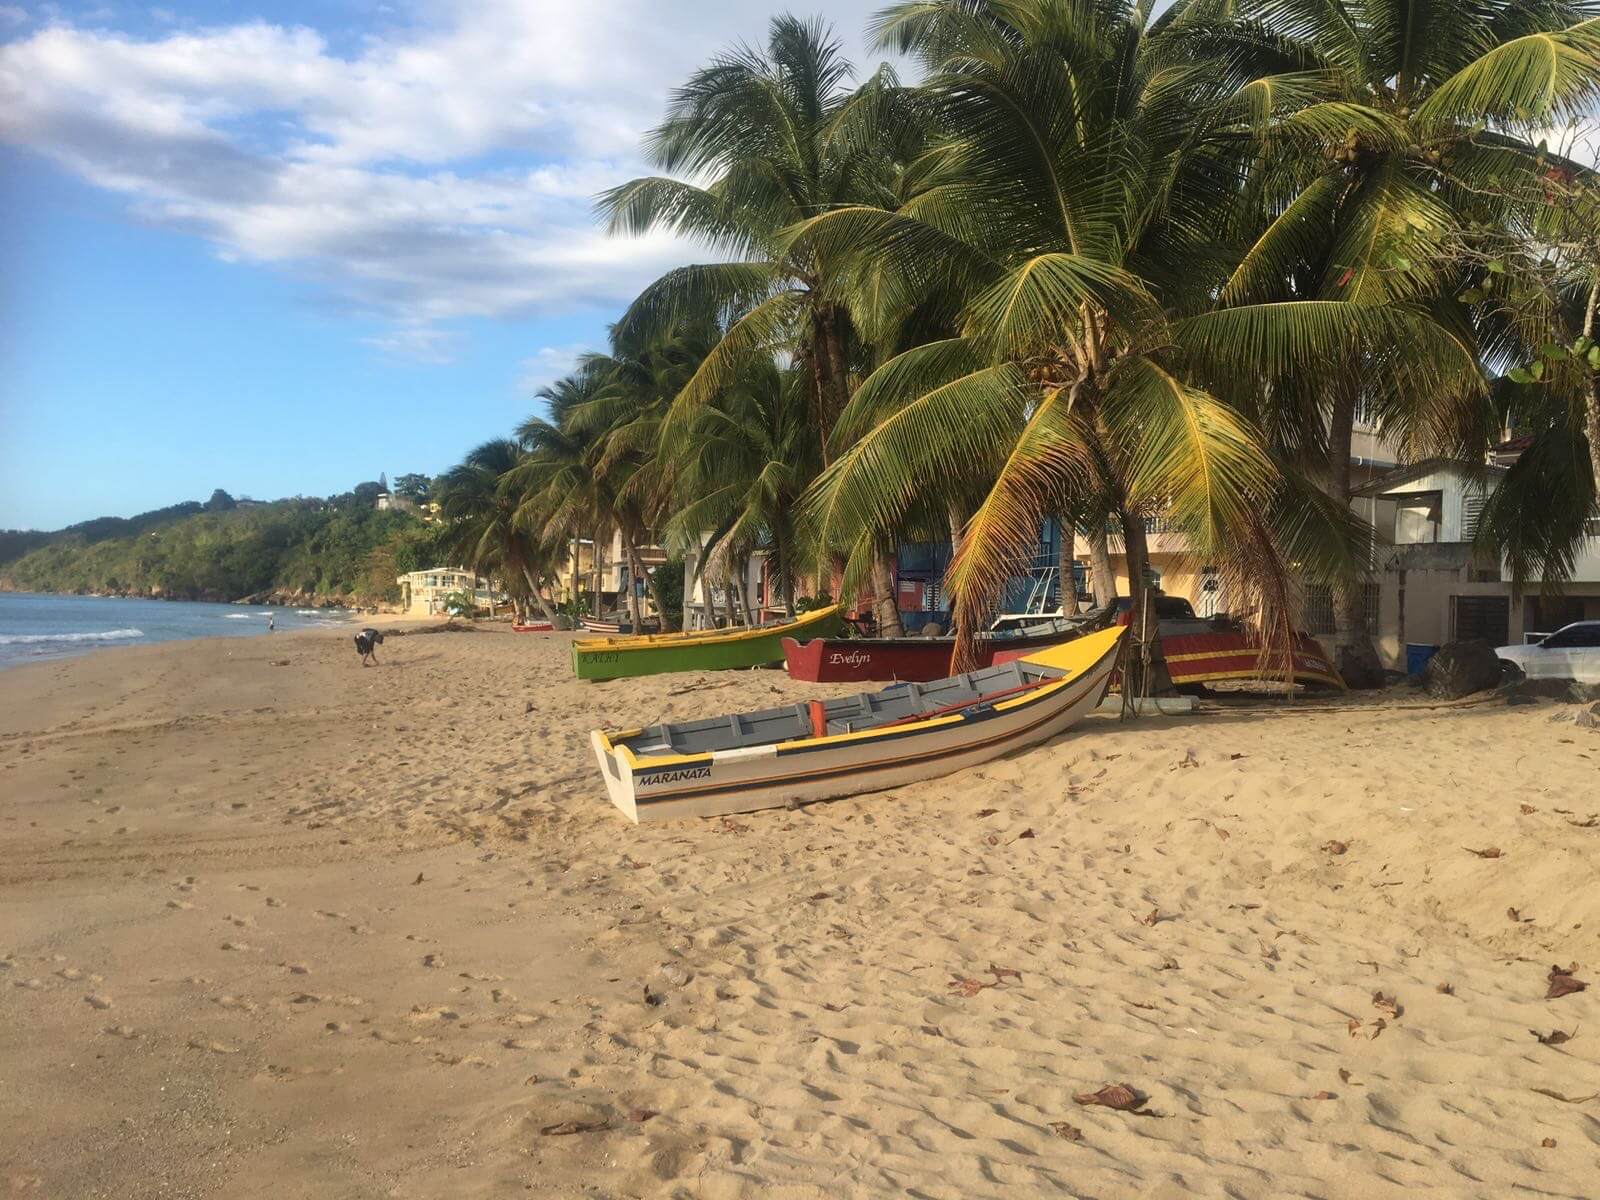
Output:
x=594 y=564
x=1102 y=579
x=838 y=370
x=635 y=610
x=888 y=604
x=1066 y=585
x=1591 y=396
x=780 y=544
x=538 y=596
x=1146 y=670
x=1352 y=643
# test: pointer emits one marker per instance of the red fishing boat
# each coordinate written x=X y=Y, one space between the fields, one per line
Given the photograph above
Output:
x=534 y=627
x=915 y=659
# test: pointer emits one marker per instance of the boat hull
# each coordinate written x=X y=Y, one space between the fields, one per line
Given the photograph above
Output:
x=1201 y=658
x=534 y=627
x=821 y=768
x=919 y=660
x=718 y=650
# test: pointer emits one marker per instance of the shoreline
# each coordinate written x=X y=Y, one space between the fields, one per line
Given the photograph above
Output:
x=377 y=932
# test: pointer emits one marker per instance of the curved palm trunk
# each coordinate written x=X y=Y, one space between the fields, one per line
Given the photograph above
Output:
x=1102 y=579
x=538 y=596
x=886 y=603
x=1145 y=673
x=1353 y=653
x=1066 y=585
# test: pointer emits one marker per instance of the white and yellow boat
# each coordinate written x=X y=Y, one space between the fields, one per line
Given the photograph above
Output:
x=864 y=743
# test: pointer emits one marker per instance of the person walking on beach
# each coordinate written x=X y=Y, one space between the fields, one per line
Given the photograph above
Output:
x=271 y=622
x=367 y=642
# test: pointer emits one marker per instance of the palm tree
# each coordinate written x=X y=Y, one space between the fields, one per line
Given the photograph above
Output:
x=481 y=502
x=1388 y=139
x=782 y=137
x=742 y=466
x=1069 y=211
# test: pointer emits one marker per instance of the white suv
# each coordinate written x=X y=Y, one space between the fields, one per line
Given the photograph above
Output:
x=1571 y=652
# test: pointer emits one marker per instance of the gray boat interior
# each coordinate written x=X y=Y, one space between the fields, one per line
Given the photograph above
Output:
x=847 y=714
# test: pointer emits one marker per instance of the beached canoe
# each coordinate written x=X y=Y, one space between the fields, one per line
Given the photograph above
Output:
x=848 y=660
x=1215 y=656
x=864 y=743
x=534 y=627
x=708 y=650
x=613 y=625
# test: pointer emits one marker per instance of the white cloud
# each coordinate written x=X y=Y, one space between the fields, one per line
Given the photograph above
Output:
x=439 y=173
x=547 y=366
x=10 y=14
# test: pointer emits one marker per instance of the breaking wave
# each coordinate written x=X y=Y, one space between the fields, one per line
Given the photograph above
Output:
x=28 y=639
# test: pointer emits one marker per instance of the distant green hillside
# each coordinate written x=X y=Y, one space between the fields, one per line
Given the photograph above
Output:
x=340 y=548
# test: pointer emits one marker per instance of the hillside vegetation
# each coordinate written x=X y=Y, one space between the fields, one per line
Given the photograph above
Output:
x=304 y=550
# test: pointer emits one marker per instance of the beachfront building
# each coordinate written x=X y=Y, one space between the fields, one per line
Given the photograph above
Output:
x=1430 y=587
x=423 y=593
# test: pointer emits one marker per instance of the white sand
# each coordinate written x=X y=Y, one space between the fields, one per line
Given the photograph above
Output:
x=222 y=977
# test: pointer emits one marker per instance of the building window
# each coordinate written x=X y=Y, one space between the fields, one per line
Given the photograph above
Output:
x=1319 y=608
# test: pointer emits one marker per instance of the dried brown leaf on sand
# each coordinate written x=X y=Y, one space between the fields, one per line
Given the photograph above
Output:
x=1151 y=917
x=1556 y=1037
x=1118 y=1096
x=1326 y=1095
x=1563 y=982
x=1168 y=963
x=987 y=812
x=1528 y=809
x=1386 y=1004
x=640 y=1115
x=1335 y=846
x=1516 y=917
x=1345 y=1077
x=1354 y=1026
x=815 y=896
x=963 y=985
x=1000 y=973
x=565 y=1128
x=1026 y=833
x=1070 y=1132
x=1378 y=1027
x=1486 y=852
x=1189 y=760
x=1568 y=1099
x=1221 y=832
x=1548 y=1143
x=1445 y=989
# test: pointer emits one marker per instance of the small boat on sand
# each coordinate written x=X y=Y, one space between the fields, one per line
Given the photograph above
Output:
x=534 y=627
x=863 y=743
x=614 y=624
x=624 y=656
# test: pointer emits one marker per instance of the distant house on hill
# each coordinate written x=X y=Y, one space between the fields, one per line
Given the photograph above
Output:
x=423 y=593
x=388 y=500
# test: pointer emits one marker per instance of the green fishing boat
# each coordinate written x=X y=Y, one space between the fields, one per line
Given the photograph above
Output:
x=708 y=650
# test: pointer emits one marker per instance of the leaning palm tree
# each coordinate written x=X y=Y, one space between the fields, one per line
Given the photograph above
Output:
x=1388 y=139
x=1069 y=211
x=480 y=501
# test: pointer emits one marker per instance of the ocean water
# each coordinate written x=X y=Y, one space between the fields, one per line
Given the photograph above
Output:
x=36 y=627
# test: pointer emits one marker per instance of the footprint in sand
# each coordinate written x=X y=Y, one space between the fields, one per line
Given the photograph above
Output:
x=501 y=996
x=363 y=929
x=126 y=1032
x=236 y=946
x=70 y=973
x=33 y=985
x=97 y=1001
x=240 y=922
x=398 y=1039
x=274 y=902
x=337 y=1026
x=240 y=1003
x=331 y=916
x=179 y=904
x=297 y=968
x=462 y=1060
x=519 y=1044
x=214 y=1047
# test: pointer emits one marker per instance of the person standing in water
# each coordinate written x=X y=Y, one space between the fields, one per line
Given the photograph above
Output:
x=271 y=621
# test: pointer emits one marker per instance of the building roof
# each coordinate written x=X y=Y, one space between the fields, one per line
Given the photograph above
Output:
x=1390 y=480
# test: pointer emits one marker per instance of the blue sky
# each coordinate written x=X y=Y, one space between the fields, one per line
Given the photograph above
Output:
x=280 y=248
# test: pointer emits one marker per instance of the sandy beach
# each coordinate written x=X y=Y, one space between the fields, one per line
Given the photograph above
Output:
x=276 y=925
